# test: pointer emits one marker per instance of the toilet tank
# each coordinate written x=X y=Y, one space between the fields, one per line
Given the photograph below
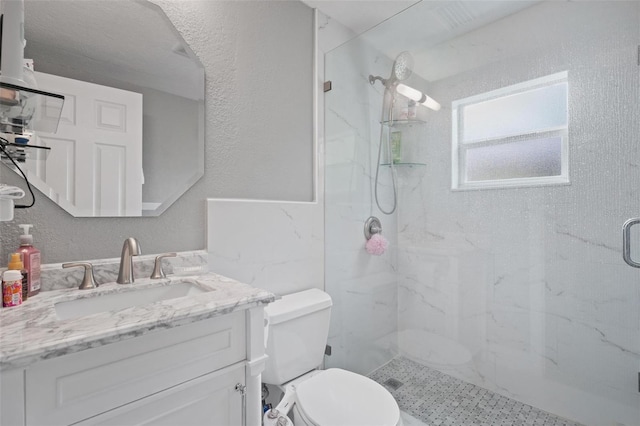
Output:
x=296 y=330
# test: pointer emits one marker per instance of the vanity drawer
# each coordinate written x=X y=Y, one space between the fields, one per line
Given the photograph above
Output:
x=74 y=387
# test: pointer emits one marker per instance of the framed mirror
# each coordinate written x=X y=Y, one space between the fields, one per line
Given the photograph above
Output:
x=97 y=53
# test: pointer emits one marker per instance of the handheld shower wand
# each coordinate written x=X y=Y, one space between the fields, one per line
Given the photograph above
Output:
x=401 y=70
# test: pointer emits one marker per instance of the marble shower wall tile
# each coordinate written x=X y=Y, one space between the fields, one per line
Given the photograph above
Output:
x=364 y=292
x=363 y=322
x=441 y=291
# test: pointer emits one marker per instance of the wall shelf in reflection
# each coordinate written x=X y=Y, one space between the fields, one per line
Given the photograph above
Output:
x=404 y=164
x=405 y=122
x=21 y=152
x=23 y=108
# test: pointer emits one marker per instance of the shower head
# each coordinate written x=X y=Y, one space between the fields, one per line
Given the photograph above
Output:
x=402 y=67
x=401 y=70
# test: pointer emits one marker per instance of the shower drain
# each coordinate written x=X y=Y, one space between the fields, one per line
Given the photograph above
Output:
x=393 y=384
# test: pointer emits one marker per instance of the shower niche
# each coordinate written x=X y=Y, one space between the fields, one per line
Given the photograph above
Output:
x=406 y=139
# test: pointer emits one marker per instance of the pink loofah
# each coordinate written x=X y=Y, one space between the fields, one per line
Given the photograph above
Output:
x=376 y=245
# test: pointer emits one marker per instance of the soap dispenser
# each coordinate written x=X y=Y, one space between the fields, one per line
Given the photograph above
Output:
x=30 y=259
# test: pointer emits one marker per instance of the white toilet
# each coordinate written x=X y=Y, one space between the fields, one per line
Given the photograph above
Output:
x=296 y=330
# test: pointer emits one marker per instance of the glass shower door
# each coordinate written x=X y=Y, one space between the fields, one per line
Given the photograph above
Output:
x=515 y=282
x=363 y=287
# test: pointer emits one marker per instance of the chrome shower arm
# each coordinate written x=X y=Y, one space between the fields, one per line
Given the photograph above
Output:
x=373 y=78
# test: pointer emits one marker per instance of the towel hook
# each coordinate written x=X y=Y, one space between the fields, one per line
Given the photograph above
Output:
x=372 y=226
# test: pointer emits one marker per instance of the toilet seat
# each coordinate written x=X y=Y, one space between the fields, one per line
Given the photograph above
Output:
x=338 y=397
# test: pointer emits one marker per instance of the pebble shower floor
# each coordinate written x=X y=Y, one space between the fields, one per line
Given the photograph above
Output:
x=442 y=400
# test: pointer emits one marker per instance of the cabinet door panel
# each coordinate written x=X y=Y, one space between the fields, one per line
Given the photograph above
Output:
x=73 y=387
x=208 y=400
x=12 y=398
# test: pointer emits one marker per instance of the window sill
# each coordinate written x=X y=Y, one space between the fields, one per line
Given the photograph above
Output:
x=514 y=183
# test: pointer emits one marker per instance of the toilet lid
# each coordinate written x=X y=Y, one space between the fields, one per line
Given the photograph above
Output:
x=337 y=397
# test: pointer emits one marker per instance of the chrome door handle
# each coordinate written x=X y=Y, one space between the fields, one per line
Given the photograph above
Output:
x=626 y=241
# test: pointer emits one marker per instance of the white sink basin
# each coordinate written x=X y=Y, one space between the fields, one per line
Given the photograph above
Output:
x=115 y=301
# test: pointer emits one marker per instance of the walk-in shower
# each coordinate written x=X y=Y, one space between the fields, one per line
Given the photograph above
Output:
x=505 y=266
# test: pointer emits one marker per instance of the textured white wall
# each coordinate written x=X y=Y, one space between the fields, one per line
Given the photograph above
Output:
x=258 y=62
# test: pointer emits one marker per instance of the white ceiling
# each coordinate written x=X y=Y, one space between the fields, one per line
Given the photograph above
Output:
x=85 y=29
x=360 y=15
x=84 y=34
x=426 y=26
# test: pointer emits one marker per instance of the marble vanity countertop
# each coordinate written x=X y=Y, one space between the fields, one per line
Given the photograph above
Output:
x=32 y=331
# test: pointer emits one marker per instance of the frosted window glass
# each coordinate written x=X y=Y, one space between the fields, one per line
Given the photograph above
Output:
x=521 y=113
x=520 y=159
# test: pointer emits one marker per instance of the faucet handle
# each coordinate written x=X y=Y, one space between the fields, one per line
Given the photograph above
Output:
x=157 y=267
x=89 y=280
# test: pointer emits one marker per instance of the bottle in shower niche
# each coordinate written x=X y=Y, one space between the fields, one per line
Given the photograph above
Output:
x=396 y=147
x=31 y=260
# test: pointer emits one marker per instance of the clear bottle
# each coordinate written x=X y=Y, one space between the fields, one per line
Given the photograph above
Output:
x=15 y=264
x=31 y=260
x=411 y=110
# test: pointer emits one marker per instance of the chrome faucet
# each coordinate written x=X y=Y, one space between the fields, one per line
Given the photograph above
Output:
x=130 y=248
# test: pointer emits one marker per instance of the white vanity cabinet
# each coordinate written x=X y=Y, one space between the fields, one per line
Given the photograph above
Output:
x=205 y=372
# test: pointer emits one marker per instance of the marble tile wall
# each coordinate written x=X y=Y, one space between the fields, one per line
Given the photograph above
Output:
x=277 y=246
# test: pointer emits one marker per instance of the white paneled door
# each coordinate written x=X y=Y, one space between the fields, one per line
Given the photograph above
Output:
x=95 y=163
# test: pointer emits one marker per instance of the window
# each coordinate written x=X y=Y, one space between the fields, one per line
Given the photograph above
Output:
x=513 y=136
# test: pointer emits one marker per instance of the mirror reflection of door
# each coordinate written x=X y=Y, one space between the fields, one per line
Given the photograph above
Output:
x=130 y=45
x=95 y=164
